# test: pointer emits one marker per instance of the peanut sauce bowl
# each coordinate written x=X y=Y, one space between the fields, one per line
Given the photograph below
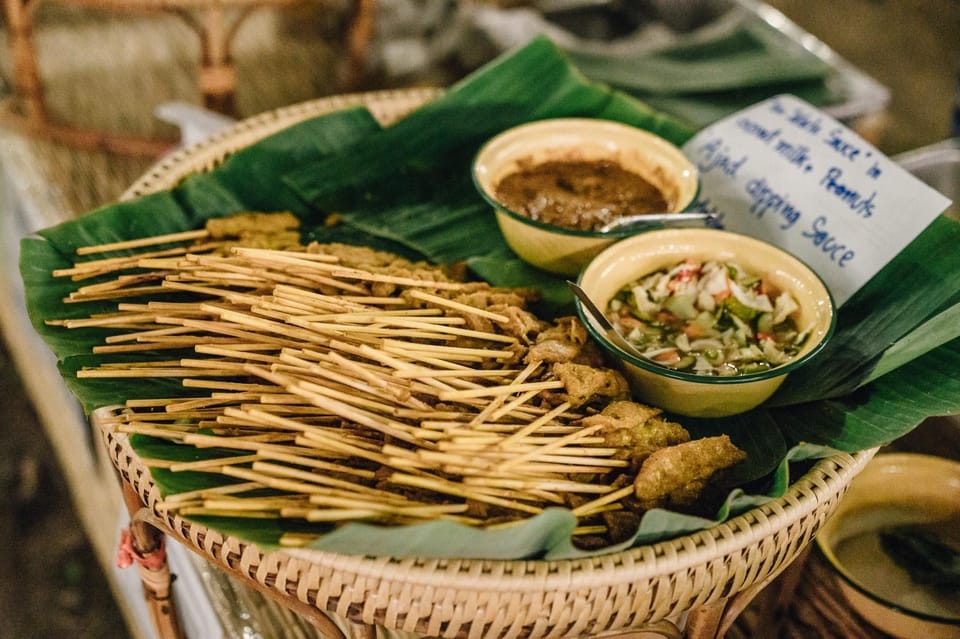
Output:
x=690 y=393
x=565 y=249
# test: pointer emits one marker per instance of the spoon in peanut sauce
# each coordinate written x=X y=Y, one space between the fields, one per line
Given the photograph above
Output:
x=671 y=220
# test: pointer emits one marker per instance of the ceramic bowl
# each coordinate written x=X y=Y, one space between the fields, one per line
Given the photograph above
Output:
x=893 y=490
x=688 y=393
x=566 y=251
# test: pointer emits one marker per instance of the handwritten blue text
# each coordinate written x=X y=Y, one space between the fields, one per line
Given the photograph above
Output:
x=766 y=199
x=862 y=205
x=715 y=156
x=829 y=244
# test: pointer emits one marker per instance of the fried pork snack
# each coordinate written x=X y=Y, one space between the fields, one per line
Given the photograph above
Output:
x=676 y=477
x=247 y=224
x=637 y=430
x=260 y=230
x=566 y=340
x=583 y=383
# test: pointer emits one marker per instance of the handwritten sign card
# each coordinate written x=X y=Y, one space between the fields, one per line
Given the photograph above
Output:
x=785 y=172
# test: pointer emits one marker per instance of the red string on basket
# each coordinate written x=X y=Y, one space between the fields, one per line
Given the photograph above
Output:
x=127 y=555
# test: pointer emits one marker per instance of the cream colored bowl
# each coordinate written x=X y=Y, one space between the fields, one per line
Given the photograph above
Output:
x=894 y=490
x=687 y=393
x=561 y=250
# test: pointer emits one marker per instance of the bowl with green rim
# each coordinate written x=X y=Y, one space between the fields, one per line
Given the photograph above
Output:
x=893 y=544
x=576 y=160
x=703 y=392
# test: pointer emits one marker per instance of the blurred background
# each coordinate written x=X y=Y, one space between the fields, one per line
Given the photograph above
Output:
x=82 y=87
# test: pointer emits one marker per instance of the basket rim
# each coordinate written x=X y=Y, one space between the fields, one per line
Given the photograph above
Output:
x=386 y=106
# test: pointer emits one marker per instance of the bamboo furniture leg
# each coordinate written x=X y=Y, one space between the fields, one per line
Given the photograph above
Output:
x=26 y=76
x=28 y=88
x=143 y=544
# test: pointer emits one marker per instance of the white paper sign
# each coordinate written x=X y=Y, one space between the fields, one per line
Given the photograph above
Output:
x=785 y=172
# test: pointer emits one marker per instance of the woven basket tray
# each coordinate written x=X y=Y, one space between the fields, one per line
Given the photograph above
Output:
x=654 y=587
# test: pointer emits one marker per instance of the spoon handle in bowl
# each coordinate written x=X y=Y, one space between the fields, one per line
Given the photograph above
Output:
x=667 y=220
x=612 y=334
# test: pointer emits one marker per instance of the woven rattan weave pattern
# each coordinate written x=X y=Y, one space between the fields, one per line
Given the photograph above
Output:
x=693 y=586
x=385 y=106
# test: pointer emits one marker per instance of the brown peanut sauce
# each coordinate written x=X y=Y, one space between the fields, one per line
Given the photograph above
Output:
x=578 y=194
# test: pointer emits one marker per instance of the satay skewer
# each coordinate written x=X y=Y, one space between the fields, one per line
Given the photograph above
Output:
x=153 y=240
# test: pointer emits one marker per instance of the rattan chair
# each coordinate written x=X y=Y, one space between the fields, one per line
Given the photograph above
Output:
x=215 y=23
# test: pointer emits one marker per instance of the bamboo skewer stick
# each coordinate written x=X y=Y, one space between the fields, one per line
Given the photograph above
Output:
x=302 y=277
x=540 y=484
x=420 y=373
x=445 y=352
x=367 y=276
x=330 y=398
x=318 y=464
x=237 y=506
x=206 y=464
x=379 y=330
x=496 y=402
x=558 y=443
x=147 y=335
x=201 y=493
x=515 y=405
x=459 y=490
x=143 y=347
x=388 y=427
x=510 y=389
x=453 y=330
x=329 y=303
x=535 y=425
x=245 y=354
x=595 y=506
x=205 y=402
x=125 y=245
x=272 y=254
x=230 y=330
x=200 y=511
x=369 y=399
x=145 y=371
x=463 y=308
x=312 y=480
x=121 y=282
x=229 y=386
x=91 y=268
x=114 y=294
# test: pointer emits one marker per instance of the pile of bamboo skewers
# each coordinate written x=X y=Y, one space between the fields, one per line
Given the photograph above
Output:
x=319 y=400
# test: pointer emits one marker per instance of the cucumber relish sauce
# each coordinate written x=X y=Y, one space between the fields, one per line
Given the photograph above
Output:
x=710 y=318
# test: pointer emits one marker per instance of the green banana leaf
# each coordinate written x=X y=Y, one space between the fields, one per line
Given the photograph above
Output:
x=406 y=188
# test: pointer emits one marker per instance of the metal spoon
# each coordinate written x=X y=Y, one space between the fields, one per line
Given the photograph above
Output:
x=612 y=334
x=673 y=220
